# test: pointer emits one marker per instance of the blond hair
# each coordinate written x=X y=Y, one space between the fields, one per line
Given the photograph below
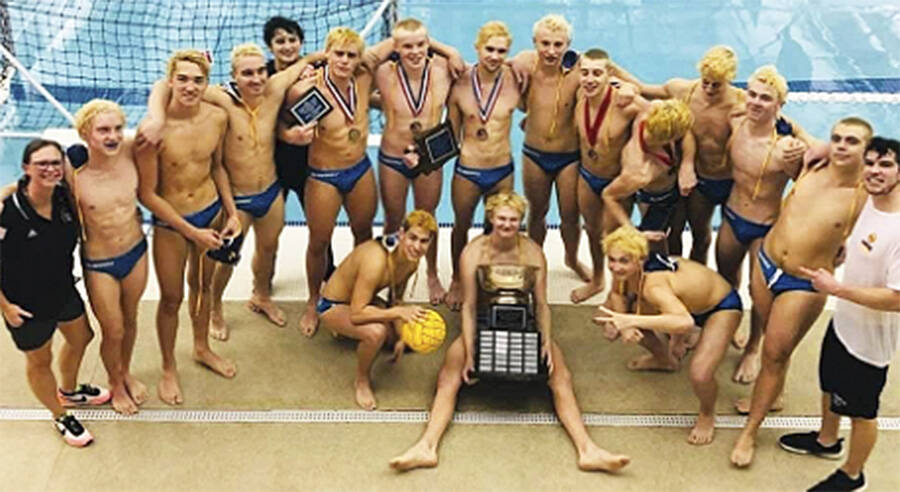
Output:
x=196 y=57
x=342 y=35
x=85 y=115
x=490 y=30
x=719 y=63
x=668 y=120
x=554 y=23
x=505 y=199
x=410 y=24
x=245 y=49
x=423 y=219
x=628 y=240
x=768 y=75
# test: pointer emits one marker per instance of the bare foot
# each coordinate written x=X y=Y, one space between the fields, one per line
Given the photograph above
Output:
x=747 y=369
x=121 y=402
x=453 y=299
x=265 y=306
x=648 y=362
x=742 y=454
x=742 y=405
x=309 y=322
x=740 y=338
x=365 y=398
x=586 y=291
x=418 y=456
x=679 y=345
x=219 y=365
x=579 y=268
x=169 y=390
x=436 y=292
x=217 y=327
x=599 y=459
x=136 y=389
x=704 y=430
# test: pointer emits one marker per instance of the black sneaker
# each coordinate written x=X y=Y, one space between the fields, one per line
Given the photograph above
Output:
x=839 y=481
x=808 y=443
x=73 y=432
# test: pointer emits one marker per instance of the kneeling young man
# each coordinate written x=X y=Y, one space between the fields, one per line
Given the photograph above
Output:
x=346 y=306
x=670 y=295
x=504 y=245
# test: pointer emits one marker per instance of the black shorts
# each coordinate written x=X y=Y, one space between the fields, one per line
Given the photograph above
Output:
x=34 y=333
x=853 y=385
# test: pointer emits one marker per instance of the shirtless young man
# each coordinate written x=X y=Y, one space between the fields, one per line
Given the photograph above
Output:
x=185 y=186
x=346 y=306
x=670 y=295
x=481 y=107
x=818 y=214
x=414 y=91
x=249 y=151
x=603 y=117
x=765 y=150
x=863 y=335
x=504 y=245
x=114 y=251
x=712 y=106
x=660 y=140
x=551 y=142
x=339 y=169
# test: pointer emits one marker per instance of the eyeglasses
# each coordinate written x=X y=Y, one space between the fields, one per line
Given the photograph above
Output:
x=47 y=164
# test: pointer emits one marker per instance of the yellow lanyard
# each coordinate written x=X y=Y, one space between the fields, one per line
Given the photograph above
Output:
x=557 y=97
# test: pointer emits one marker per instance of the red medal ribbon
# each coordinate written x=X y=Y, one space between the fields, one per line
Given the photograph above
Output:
x=662 y=156
x=593 y=129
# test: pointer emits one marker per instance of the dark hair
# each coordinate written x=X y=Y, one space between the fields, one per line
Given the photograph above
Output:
x=279 y=22
x=38 y=144
x=883 y=145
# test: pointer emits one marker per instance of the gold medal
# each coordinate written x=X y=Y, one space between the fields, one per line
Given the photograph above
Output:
x=592 y=154
x=415 y=126
x=354 y=134
x=482 y=134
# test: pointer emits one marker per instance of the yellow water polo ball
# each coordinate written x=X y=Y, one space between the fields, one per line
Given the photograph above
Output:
x=426 y=335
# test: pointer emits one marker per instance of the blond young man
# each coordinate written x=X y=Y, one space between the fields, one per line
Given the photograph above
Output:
x=114 y=250
x=765 y=151
x=340 y=173
x=551 y=153
x=713 y=100
x=504 y=245
x=668 y=295
x=481 y=106
x=349 y=306
x=603 y=117
x=414 y=90
x=813 y=224
x=185 y=186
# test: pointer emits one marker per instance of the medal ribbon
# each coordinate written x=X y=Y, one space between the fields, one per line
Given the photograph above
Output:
x=593 y=129
x=662 y=156
x=484 y=112
x=347 y=107
x=415 y=104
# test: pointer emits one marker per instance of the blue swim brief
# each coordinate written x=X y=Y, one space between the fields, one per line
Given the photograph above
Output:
x=551 y=162
x=120 y=266
x=715 y=190
x=342 y=179
x=325 y=304
x=258 y=205
x=777 y=280
x=397 y=164
x=486 y=179
x=744 y=230
x=596 y=183
x=731 y=302
x=200 y=219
